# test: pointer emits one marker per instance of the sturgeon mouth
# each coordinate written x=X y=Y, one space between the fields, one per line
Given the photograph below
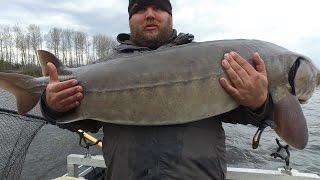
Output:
x=292 y=76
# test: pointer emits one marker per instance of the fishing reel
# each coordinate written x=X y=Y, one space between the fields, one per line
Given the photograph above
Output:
x=86 y=141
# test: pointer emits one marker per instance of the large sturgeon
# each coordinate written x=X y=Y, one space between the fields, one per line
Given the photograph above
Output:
x=176 y=85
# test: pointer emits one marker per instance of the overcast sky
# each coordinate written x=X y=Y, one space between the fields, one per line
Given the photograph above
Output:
x=293 y=24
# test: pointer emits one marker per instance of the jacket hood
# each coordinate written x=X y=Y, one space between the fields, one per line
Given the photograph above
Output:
x=126 y=45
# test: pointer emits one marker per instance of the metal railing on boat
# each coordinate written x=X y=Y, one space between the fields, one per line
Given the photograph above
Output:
x=81 y=165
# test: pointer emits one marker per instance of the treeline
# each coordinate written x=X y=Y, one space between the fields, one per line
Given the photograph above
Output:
x=19 y=45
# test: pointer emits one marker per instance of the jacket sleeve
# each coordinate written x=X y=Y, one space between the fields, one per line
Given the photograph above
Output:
x=244 y=115
x=51 y=117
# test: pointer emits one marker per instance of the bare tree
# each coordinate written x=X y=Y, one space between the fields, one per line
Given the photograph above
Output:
x=1 y=43
x=83 y=47
x=75 y=44
x=8 y=44
x=93 y=49
x=34 y=34
x=95 y=46
x=69 y=35
x=88 y=56
x=63 y=46
x=20 y=42
x=20 y=45
x=80 y=41
x=53 y=40
x=103 y=46
x=29 y=58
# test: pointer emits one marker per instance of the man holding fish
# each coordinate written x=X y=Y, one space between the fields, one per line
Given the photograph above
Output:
x=193 y=150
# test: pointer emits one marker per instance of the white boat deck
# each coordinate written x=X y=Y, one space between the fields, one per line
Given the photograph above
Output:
x=76 y=161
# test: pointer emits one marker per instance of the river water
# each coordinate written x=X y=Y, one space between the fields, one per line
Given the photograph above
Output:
x=46 y=157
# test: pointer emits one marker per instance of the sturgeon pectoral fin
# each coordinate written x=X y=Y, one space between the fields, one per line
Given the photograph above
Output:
x=290 y=121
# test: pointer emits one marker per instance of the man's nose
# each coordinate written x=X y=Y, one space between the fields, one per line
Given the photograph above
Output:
x=150 y=13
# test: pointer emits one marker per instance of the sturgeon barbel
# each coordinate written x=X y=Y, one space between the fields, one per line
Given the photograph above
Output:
x=176 y=85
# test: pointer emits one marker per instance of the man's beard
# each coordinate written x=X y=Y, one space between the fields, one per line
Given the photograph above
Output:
x=153 y=41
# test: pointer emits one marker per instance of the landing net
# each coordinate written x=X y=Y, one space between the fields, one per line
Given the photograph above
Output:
x=16 y=134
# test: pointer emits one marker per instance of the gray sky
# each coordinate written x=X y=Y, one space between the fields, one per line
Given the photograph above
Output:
x=290 y=23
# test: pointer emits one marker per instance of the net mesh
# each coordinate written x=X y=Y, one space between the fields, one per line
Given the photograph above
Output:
x=16 y=134
x=32 y=149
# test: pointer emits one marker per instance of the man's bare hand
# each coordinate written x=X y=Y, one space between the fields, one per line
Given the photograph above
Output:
x=62 y=96
x=249 y=85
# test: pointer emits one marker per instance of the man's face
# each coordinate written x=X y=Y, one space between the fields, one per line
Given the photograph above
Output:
x=151 y=27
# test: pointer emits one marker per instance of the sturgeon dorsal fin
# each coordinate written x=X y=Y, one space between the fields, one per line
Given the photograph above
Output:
x=45 y=57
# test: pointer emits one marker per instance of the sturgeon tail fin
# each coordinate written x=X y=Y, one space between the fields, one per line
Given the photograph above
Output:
x=45 y=57
x=24 y=88
x=291 y=124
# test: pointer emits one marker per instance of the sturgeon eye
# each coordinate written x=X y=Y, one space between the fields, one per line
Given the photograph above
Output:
x=305 y=80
